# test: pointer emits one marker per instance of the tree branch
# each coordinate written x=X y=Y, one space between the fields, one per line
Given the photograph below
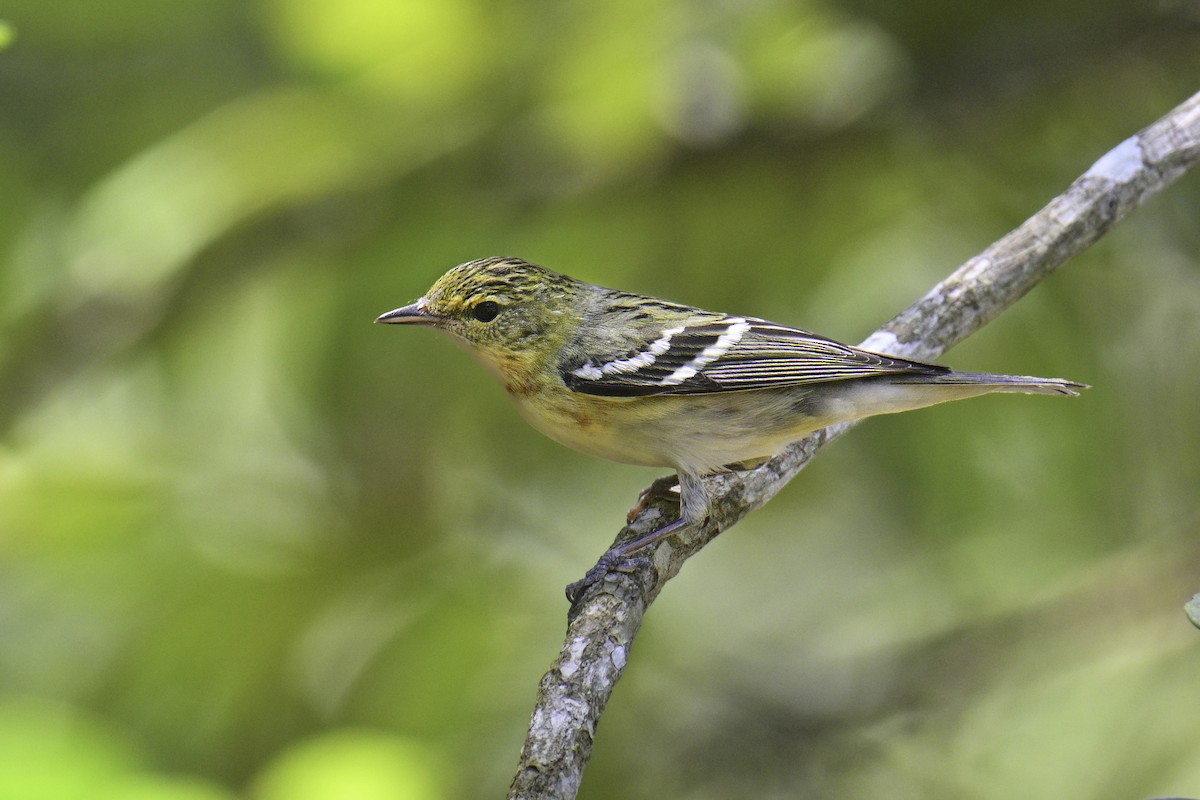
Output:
x=602 y=624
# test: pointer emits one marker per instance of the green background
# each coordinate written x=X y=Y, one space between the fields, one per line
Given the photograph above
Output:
x=253 y=546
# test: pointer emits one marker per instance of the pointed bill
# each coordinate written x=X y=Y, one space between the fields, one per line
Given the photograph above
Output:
x=414 y=314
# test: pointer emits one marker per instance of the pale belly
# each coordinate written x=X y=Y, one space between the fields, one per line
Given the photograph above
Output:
x=699 y=433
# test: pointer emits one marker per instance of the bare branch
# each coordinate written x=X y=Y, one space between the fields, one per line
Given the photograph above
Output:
x=603 y=622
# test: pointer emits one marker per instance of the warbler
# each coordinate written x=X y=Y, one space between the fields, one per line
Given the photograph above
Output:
x=646 y=381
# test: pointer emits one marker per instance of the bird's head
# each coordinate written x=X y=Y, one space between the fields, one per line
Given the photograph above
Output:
x=505 y=310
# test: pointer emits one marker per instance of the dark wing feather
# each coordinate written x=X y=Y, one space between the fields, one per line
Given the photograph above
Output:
x=727 y=354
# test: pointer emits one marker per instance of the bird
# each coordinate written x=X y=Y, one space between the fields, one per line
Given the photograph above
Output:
x=641 y=380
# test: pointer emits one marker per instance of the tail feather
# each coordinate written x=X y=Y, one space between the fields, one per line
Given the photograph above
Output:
x=1000 y=383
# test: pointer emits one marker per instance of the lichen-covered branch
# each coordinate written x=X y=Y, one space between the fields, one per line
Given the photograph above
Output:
x=603 y=622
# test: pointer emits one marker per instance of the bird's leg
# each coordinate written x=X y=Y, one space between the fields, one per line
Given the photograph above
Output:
x=693 y=507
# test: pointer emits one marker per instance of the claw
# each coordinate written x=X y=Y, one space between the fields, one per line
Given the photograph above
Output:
x=662 y=487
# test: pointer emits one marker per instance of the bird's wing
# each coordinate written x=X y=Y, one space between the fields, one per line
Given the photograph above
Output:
x=724 y=354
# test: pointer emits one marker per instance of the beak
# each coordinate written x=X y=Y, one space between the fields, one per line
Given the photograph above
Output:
x=414 y=314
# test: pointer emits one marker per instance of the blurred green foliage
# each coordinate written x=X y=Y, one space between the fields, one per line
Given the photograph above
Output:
x=253 y=546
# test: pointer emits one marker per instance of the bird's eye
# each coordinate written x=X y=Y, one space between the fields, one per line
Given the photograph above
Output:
x=485 y=311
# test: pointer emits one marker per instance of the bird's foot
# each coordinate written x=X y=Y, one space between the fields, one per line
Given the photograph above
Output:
x=616 y=560
x=666 y=487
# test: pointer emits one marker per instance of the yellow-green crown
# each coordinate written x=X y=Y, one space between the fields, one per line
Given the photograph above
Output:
x=499 y=279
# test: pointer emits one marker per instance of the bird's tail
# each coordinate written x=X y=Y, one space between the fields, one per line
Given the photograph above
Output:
x=999 y=383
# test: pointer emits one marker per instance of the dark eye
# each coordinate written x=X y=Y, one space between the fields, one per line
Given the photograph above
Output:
x=485 y=311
